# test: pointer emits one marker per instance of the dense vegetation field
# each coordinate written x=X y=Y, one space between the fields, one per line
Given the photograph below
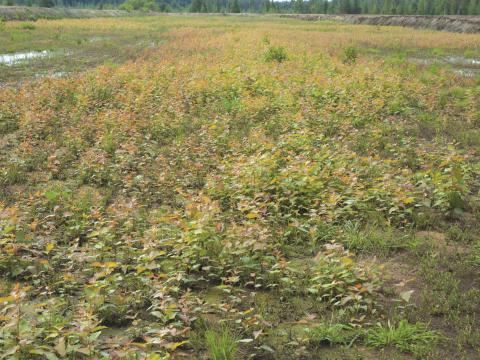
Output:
x=239 y=188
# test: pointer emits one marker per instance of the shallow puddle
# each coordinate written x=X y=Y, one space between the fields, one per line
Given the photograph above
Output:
x=467 y=72
x=460 y=60
x=55 y=74
x=461 y=65
x=15 y=58
x=98 y=38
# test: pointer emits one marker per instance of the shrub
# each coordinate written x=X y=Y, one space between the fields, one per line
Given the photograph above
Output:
x=338 y=281
x=276 y=53
x=350 y=55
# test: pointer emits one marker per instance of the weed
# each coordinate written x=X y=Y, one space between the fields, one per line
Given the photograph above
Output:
x=475 y=255
x=457 y=234
x=468 y=334
x=338 y=281
x=442 y=294
x=266 y=39
x=8 y=122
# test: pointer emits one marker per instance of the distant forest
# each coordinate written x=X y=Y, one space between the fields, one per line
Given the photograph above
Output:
x=399 y=7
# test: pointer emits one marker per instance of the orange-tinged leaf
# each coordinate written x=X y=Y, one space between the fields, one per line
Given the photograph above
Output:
x=33 y=225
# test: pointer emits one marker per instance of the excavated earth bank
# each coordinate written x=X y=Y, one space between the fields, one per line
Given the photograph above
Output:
x=453 y=23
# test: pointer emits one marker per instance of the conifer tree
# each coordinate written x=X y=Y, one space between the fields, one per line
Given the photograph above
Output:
x=234 y=6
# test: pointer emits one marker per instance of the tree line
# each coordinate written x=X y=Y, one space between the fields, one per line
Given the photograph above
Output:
x=398 y=7
x=395 y=7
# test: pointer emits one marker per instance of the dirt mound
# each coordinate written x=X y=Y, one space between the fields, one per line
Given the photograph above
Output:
x=32 y=13
x=453 y=23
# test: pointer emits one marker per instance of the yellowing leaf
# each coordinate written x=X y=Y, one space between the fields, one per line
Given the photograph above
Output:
x=408 y=200
x=6 y=299
x=346 y=260
x=173 y=346
x=406 y=295
x=84 y=351
x=108 y=264
x=33 y=225
x=60 y=348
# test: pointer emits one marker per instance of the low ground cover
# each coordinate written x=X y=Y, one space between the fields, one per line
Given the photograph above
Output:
x=255 y=187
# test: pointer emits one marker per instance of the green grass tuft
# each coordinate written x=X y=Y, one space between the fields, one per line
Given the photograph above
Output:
x=413 y=338
x=221 y=345
x=331 y=334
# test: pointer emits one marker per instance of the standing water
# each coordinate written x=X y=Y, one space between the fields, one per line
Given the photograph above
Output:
x=12 y=59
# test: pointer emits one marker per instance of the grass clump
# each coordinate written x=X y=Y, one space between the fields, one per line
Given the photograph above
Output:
x=28 y=26
x=475 y=256
x=222 y=344
x=331 y=334
x=413 y=338
x=372 y=240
